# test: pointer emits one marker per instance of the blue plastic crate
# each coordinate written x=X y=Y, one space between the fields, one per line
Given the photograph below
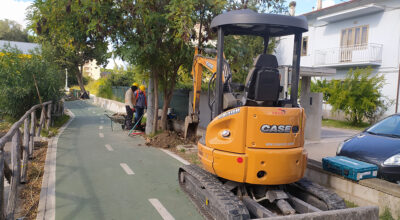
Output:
x=349 y=168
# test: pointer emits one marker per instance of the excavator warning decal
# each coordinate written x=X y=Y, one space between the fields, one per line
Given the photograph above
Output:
x=209 y=65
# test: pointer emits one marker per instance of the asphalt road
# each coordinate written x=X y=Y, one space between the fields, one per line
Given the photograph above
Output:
x=101 y=174
x=327 y=145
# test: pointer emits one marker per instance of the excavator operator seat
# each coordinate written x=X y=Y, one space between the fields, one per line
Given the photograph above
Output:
x=263 y=82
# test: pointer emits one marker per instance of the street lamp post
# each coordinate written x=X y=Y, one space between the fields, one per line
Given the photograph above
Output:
x=66 y=80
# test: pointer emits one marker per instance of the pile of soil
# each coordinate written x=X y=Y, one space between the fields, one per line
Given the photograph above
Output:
x=70 y=97
x=29 y=193
x=168 y=139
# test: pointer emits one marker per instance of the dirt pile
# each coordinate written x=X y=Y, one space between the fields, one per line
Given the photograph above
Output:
x=167 y=139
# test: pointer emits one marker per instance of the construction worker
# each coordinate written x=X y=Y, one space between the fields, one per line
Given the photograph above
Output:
x=141 y=103
x=130 y=102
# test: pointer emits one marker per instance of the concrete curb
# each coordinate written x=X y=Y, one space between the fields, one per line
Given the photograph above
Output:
x=47 y=201
x=368 y=192
x=108 y=104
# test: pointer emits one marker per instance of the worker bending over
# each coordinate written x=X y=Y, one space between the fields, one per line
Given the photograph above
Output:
x=141 y=103
x=130 y=102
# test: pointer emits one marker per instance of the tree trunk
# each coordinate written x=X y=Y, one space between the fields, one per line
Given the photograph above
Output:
x=80 y=82
x=155 y=119
x=167 y=101
x=150 y=106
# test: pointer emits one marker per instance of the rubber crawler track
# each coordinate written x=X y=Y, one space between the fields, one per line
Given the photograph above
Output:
x=212 y=196
x=331 y=199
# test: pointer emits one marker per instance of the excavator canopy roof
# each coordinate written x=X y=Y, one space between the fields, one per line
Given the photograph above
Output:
x=249 y=22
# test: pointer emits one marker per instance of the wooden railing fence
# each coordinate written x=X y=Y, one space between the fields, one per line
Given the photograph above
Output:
x=21 y=150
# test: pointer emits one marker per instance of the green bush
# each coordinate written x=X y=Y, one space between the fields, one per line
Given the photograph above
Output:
x=17 y=87
x=358 y=95
x=104 y=89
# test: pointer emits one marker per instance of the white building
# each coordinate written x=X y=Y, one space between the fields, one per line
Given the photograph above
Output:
x=356 y=33
x=24 y=47
x=92 y=70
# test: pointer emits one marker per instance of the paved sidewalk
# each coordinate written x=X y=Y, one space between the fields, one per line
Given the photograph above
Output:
x=327 y=146
x=102 y=174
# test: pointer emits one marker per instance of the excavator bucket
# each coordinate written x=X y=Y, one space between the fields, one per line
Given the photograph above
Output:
x=191 y=124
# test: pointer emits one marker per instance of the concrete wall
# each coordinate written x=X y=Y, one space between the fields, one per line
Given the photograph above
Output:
x=312 y=104
x=108 y=104
x=369 y=192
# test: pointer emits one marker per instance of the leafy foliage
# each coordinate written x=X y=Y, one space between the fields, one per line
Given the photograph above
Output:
x=76 y=30
x=18 y=91
x=358 y=95
x=12 y=31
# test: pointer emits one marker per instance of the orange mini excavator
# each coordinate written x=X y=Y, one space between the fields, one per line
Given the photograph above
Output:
x=253 y=152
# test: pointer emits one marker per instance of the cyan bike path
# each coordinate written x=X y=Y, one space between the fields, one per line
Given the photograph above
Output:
x=91 y=183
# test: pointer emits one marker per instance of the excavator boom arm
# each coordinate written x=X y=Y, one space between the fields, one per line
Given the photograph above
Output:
x=200 y=62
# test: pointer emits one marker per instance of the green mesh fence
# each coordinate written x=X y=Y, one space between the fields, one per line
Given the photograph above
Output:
x=179 y=102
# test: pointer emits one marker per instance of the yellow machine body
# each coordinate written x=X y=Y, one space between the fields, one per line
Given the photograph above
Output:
x=256 y=145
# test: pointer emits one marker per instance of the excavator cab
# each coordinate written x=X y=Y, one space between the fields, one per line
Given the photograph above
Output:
x=262 y=86
x=252 y=156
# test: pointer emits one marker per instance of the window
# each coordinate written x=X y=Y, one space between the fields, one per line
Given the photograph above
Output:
x=355 y=36
x=304 y=46
x=352 y=39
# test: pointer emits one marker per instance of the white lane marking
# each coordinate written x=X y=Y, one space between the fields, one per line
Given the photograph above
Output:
x=126 y=169
x=161 y=209
x=101 y=135
x=100 y=127
x=180 y=159
x=109 y=148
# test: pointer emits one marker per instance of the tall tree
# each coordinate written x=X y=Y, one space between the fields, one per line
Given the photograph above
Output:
x=12 y=31
x=156 y=35
x=77 y=30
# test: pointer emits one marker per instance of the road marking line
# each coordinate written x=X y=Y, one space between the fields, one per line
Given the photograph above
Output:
x=109 y=148
x=101 y=135
x=100 y=127
x=126 y=169
x=161 y=209
x=180 y=159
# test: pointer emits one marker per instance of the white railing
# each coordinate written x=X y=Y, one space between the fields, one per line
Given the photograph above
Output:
x=358 y=54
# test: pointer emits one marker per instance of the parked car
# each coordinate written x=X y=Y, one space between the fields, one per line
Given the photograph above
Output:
x=379 y=145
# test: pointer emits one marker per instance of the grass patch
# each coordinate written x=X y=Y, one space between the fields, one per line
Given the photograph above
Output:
x=386 y=215
x=53 y=130
x=155 y=134
x=344 y=124
x=5 y=126
x=350 y=204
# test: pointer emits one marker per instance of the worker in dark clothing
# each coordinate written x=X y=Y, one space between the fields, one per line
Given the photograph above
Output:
x=130 y=102
x=141 y=103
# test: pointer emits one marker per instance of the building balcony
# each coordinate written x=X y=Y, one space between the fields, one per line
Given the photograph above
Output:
x=359 y=55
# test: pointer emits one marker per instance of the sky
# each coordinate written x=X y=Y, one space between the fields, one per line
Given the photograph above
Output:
x=16 y=10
